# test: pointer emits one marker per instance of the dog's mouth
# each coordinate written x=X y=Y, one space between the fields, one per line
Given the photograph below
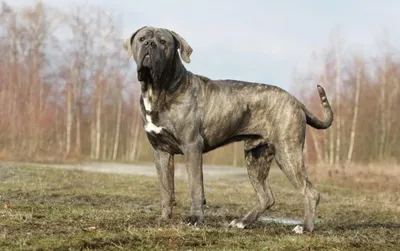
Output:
x=145 y=71
x=145 y=74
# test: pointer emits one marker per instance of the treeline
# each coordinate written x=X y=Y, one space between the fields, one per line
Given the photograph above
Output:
x=68 y=92
x=364 y=93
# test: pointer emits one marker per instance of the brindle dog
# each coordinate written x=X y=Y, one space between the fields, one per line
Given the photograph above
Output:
x=189 y=114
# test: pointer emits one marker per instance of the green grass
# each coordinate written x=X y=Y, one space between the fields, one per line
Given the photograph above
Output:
x=72 y=210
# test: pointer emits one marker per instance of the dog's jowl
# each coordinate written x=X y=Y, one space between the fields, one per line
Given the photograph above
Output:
x=189 y=114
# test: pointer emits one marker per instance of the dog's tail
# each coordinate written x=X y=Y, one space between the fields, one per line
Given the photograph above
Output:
x=328 y=113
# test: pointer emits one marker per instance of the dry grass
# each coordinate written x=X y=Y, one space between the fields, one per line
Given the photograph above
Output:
x=361 y=177
x=51 y=209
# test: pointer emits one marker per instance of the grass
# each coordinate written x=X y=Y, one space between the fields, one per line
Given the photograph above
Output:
x=52 y=209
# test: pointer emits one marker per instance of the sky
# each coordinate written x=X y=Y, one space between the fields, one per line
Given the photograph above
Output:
x=257 y=40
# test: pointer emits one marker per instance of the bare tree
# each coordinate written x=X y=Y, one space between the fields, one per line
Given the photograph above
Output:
x=118 y=123
x=393 y=112
x=93 y=137
x=99 y=101
x=80 y=23
x=316 y=147
x=105 y=140
x=355 y=111
x=383 y=109
x=135 y=134
x=338 y=112
x=69 y=119
x=331 y=132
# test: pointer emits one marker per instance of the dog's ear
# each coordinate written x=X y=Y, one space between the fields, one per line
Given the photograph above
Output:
x=184 y=47
x=128 y=43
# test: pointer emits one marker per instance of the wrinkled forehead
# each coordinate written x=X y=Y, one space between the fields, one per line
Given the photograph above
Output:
x=152 y=31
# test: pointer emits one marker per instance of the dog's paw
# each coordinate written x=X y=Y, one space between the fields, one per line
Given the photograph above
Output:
x=194 y=220
x=237 y=223
x=298 y=229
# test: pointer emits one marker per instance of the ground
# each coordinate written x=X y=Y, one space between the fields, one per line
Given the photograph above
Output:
x=63 y=208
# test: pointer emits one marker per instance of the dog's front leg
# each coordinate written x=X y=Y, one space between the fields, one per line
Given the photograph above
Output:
x=194 y=164
x=165 y=171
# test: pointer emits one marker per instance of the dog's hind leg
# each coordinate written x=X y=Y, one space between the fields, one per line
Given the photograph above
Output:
x=289 y=157
x=258 y=161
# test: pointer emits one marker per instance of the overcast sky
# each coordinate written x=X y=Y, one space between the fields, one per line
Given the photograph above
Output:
x=257 y=40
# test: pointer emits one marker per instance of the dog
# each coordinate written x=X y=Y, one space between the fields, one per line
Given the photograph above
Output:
x=190 y=114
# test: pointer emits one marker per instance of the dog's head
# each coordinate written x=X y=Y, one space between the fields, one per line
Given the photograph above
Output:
x=155 y=50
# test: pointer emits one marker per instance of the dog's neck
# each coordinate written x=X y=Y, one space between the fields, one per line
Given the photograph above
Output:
x=170 y=81
x=173 y=74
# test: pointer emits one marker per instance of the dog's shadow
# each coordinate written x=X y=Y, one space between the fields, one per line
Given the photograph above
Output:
x=222 y=221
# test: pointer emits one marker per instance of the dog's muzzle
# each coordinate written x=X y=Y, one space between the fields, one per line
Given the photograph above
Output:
x=144 y=70
x=146 y=61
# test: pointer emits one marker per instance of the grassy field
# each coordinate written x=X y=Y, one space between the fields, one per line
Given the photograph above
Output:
x=51 y=209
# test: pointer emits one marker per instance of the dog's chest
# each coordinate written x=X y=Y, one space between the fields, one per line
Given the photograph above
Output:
x=150 y=127
x=159 y=136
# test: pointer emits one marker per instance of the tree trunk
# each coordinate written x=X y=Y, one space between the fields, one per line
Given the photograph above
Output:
x=117 y=129
x=69 y=119
x=105 y=141
x=383 y=108
x=31 y=121
x=389 y=116
x=59 y=137
x=37 y=103
x=374 y=150
x=330 y=133
x=38 y=135
x=317 y=148
x=135 y=141
x=326 y=147
x=15 y=86
x=135 y=132
x=331 y=147
x=92 y=138
x=13 y=109
x=355 y=115
x=393 y=116
x=338 y=112
x=98 y=118
x=78 y=144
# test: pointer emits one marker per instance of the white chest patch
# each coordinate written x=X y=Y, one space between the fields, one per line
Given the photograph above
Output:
x=149 y=127
x=146 y=102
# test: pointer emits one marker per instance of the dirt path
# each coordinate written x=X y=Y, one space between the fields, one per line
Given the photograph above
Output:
x=210 y=171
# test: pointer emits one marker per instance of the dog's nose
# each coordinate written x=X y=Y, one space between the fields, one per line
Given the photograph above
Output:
x=151 y=42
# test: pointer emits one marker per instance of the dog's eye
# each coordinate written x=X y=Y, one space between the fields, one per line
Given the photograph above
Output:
x=162 y=41
x=141 y=39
